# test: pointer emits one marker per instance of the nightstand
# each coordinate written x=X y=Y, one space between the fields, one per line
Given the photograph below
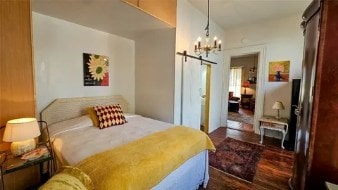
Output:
x=13 y=163
x=272 y=123
x=10 y=163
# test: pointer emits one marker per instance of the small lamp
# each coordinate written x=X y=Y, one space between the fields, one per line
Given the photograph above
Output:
x=246 y=84
x=278 y=106
x=21 y=132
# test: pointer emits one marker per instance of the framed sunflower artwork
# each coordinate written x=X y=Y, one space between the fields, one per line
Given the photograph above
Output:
x=95 y=70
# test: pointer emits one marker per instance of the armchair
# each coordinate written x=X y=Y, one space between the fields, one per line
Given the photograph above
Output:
x=232 y=97
x=233 y=103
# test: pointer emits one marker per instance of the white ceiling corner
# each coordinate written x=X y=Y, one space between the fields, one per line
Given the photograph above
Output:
x=116 y=17
x=234 y=13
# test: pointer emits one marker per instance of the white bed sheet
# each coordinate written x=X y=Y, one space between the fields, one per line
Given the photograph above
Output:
x=193 y=173
x=76 y=139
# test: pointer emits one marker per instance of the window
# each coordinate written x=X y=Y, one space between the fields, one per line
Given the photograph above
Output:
x=235 y=80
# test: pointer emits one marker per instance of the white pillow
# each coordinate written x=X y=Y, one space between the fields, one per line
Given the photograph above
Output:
x=70 y=124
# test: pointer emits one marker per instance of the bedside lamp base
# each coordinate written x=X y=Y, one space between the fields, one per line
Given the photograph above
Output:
x=277 y=116
x=21 y=147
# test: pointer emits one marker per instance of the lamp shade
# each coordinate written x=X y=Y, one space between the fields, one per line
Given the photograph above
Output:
x=278 y=106
x=21 y=129
x=246 y=84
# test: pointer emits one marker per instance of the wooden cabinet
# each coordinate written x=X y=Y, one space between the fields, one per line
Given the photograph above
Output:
x=316 y=146
x=245 y=100
x=164 y=10
x=17 y=97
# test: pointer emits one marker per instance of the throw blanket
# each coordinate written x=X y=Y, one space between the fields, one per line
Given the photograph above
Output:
x=143 y=163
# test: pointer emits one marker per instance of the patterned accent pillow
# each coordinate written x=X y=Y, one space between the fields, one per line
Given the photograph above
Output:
x=109 y=115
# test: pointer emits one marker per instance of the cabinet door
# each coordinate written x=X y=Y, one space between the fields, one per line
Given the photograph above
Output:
x=16 y=68
x=303 y=131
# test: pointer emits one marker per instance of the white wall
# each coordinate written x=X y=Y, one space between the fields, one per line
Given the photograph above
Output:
x=190 y=24
x=283 y=39
x=58 y=48
x=154 y=74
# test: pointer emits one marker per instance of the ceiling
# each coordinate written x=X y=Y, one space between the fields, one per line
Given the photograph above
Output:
x=233 y=13
x=116 y=17
x=111 y=16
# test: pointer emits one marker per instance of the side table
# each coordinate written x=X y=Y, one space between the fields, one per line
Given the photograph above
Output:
x=245 y=100
x=12 y=164
x=272 y=123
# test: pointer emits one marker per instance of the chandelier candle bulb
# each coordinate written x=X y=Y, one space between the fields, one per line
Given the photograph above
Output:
x=215 y=42
x=219 y=45
x=195 y=46
x=199 y=42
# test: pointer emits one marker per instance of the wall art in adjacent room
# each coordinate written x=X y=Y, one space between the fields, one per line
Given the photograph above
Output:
x=279 y=71
x=95 y=70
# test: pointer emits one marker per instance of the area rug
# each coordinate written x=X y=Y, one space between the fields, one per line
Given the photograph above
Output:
x=237 y=158
x=243 y=118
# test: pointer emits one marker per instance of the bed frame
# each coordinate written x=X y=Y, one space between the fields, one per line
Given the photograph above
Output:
x=66 y=108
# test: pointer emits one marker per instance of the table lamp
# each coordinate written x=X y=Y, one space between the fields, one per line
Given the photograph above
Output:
x=246 y=84
x=21 y=132
x=278 y=106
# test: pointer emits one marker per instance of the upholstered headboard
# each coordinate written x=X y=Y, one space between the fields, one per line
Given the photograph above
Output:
x=66 y=108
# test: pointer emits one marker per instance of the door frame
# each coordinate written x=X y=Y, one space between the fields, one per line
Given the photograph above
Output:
x=207 y=98
x=260 y=91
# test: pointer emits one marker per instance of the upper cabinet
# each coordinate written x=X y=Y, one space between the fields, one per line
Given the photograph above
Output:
x=17 y=97
x=164 y=10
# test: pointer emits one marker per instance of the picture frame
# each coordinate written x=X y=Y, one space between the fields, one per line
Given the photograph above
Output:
x=279 y=71
x=95 y=70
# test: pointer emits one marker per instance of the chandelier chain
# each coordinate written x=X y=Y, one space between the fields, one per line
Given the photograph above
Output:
x=208 y=47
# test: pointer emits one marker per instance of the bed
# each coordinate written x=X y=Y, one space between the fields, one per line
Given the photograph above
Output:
x=71 y=132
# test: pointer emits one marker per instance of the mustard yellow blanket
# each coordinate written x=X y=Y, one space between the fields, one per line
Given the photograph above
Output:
x=143 y=163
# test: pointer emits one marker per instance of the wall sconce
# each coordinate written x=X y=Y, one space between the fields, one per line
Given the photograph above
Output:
x=278 y=106
x=21 y=132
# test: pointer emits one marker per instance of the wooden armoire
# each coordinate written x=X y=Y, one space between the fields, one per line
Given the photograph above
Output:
x=316 y=147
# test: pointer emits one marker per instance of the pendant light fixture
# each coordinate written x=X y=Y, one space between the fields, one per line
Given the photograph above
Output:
x=252 y=79
x=207 y=47
x=253 y=69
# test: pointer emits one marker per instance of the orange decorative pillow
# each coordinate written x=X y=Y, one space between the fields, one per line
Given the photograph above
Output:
x=109 y=115
x=93 y=117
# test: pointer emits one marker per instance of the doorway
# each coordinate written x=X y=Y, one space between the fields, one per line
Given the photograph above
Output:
x=242 y=92
x=205 y=97
x=259 y=100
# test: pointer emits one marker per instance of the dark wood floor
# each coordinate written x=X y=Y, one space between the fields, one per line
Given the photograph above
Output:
x=239 y=125
x=273 y=170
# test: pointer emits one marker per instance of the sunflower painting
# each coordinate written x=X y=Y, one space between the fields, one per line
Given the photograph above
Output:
x=95 y=70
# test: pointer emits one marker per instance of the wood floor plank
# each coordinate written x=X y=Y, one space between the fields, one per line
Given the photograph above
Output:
x=273 y=170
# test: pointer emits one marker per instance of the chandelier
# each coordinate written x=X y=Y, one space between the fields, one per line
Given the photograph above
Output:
x=207 y=47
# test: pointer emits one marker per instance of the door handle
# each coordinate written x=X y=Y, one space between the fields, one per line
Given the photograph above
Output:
x=297 y=111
